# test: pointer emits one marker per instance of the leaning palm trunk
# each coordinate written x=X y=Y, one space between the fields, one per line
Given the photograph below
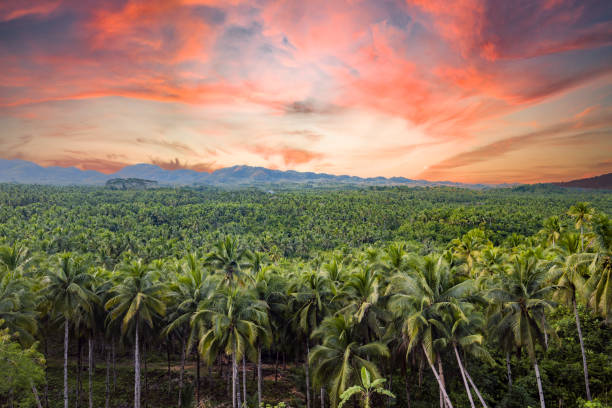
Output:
x=441 y=373
x=465 y=383
x=259 y=377
x=136 y=369
x=482 y=401
x=584 y=362
x=66 y=335
x=90 y=366
x=539 y=380
x=440 y=384
x=36 y=398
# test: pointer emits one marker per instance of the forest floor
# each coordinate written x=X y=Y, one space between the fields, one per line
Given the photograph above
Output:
x=160 y=390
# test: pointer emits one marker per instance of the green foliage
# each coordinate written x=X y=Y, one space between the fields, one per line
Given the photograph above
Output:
x=344 y=287
x=21 y=369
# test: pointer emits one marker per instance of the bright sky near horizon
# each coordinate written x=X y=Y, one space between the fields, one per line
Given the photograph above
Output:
x=469 y=90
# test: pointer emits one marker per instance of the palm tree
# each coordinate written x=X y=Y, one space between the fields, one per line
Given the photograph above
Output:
x=236 y=318
x=190 y=288
x=137 y=298
x=551 y=229
x=228 y=258
x=522 y=299
x=13 y=259
x=341 y=354
x=467 y=249
x=582 y=213
x=366 y=390
x=569 y=274
x=421 y=299
x=600 y=286
x=311 y=293
x=67 y=291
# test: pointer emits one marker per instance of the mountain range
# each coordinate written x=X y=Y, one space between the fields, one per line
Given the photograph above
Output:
x=26 y=172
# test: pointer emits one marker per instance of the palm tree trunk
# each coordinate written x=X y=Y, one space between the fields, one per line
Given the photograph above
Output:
x=441 y=373
x=465 y=383
x=114 y=365
x=46 y=373
x=276 y=368
x=545 y=331
x=306 y=364
x=107 y=394
x=539 y=380
x=244 y=393
x=259 y=379
x=168 y=357
x=66 y=335
x=146 y=375
x=79 y=363
x=136 y=368
x=482 y=401
x=509 y=369
x=435 y=373
x=406 y=382
x=197 y=377
x=36 y=398
x=90 y=365
x=322 y=397
x=584 y=362
x=234 y=375
x=581 y=238
x=181 y=374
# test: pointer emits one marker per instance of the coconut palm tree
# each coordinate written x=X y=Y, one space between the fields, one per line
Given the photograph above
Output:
x=13 y=259
x=67 y=291
x=522 y=298
x=582 y=213
x=551 y=230
x=137 y=299
x=468 y=247
x=228 y=258
x=420 y=299
x=236 y=318
x=310 y=294
x=190 y=288
x=569 y=273
x=342 y=353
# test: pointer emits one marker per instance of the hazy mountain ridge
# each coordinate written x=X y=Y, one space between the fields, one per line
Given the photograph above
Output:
x=25 y=172
x=603 y=182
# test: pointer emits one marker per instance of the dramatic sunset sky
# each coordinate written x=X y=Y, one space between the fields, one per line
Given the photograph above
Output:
x=468 y=90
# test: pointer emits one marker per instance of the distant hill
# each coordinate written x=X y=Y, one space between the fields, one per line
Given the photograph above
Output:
x=130 y=184
x=603 y=182
x=21 y=171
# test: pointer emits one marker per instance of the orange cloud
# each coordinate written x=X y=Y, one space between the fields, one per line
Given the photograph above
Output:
x=289 y=155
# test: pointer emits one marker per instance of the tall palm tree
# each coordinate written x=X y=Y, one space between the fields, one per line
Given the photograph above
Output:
x=67 y=291
x=228 y=258
x=136 y=299
x=190 y=288
x=421 y=299
x=582 y=213
x=522 y=298
x=310 y=296
x=342 y=353
x=569 y=272
x=468 y=247
x=552 y=229
x=236 y=318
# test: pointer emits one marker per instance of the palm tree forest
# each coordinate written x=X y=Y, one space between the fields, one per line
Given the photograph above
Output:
x=312 y=297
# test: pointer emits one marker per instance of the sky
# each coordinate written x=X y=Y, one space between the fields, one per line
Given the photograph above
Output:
x=469 y=90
